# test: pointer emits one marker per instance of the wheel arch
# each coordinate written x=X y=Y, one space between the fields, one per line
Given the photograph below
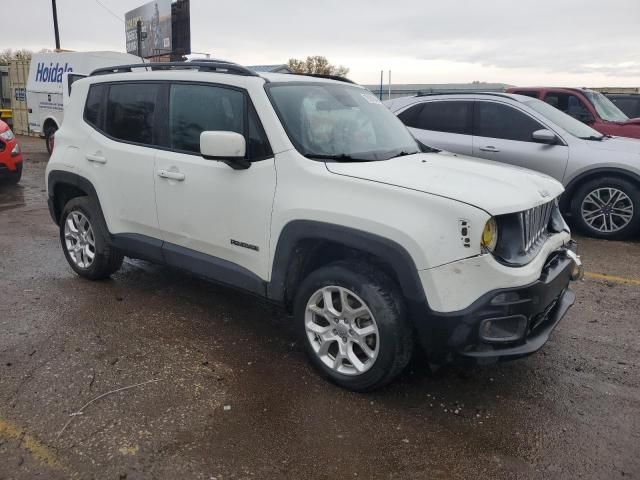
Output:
x=577 y=182
x=63 y=186
x=304 y=246
x=48 y=122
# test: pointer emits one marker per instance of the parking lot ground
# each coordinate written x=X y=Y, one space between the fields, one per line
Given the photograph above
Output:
x=220 y=387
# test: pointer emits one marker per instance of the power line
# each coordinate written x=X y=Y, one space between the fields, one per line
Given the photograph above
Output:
x=110 y=11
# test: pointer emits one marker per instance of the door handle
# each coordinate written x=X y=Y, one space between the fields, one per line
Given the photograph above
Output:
x=489 y=148
x=95 y=158
x=171 y=175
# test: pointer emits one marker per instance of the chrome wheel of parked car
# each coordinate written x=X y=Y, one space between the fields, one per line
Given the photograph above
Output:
x=607 y=209
x=342 y=330
x=79 y=239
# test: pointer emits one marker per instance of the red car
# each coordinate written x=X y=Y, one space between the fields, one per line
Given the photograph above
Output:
x=588 y=106
x=10 y=155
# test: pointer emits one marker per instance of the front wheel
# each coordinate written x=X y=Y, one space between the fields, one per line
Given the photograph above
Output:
x=353 y=324
x=607 y=208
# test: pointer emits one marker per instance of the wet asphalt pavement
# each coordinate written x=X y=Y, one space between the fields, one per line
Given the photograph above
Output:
x=230 y=395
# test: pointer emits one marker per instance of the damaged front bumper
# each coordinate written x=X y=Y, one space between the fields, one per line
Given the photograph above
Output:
x=508 y=323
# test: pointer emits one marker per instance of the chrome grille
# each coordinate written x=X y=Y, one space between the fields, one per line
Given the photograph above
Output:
x=535 y=224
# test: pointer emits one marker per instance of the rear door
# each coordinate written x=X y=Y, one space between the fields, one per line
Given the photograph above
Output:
x=444 y=124
x=503 y=133
x=120 y=152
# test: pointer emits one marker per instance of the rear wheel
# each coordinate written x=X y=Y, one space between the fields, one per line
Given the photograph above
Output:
x=49 y=137
x=353 y=324
x=607 y=208
x=84 y=239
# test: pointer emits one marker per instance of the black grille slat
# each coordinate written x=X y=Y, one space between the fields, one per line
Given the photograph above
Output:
x=535 y=225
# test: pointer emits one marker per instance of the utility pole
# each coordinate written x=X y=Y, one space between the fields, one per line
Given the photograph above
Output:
x=55 y=24
x=139 y=37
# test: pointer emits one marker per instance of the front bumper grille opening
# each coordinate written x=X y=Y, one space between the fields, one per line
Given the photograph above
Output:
x=535 y=225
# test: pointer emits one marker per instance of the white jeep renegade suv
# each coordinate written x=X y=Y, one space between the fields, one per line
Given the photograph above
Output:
x=310 y=193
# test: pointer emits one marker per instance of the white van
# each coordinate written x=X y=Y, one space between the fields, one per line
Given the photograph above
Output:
x=44 y=86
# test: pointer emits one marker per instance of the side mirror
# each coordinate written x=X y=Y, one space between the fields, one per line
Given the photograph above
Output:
x=544 y=136
x=227 y=147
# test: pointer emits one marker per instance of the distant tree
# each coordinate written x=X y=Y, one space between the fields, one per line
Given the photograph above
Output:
x=317 y=65
x=8 y=54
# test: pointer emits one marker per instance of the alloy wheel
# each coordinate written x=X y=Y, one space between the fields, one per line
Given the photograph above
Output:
x=79 y=239
x=607 y=209
x=342 y=330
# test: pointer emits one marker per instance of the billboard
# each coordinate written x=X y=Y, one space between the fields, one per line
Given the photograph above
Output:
x=155 y=18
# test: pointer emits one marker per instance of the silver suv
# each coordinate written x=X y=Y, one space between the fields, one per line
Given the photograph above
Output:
x=601 y=173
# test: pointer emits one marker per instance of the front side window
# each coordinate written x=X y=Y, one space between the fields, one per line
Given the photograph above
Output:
x=131 y=112
x=194 y=109
x=495 y=120
x=569 y=104
x=341 y=122
x=449 y=117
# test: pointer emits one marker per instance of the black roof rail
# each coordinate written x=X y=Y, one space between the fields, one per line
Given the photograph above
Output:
x=463 y=92
x=215 y=67
x=329 y=77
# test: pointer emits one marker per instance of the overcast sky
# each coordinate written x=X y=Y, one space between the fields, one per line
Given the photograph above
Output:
x=560 y=42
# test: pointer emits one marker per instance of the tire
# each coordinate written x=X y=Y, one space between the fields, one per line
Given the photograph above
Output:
x=607 y=208
x=49 y=134
x=384 y=354
x=14 y=178
x=90 y=237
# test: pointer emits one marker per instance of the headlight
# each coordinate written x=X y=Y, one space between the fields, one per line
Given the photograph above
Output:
x=490 y=235
x=8 y=135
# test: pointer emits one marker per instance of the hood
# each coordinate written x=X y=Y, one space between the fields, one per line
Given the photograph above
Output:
x=494 y=187
x=616 y=144
x=632 y=121
x=3 y=126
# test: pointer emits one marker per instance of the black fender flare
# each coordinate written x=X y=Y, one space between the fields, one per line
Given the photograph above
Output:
x=389 y=251
x=57 y=177
x=569 y=190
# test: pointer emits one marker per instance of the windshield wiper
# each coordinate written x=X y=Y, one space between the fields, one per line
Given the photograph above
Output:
x=592 y=138
x=343 y=157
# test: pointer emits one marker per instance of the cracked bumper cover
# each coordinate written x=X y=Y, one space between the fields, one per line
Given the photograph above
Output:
x=455 y=336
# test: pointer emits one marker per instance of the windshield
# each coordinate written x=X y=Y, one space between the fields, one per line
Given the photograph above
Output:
x=605 y=107
x=340 y=122
x=564 y=121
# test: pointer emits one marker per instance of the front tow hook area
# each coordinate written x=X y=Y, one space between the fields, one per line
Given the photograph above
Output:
x=577 y=272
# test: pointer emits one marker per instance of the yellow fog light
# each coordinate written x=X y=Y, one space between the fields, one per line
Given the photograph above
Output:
x=490 y=235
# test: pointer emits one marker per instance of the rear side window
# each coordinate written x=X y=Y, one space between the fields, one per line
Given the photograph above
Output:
x=449 y=117
x=495 y=120
x=131 y=112
x=194 y=109
x=93 y=109
x=568 y=103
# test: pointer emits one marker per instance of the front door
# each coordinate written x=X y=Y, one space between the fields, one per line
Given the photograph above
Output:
x=504 y=134
x=204 y=206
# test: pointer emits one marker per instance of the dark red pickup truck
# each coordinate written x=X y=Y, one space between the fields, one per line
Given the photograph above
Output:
x=588 y=106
